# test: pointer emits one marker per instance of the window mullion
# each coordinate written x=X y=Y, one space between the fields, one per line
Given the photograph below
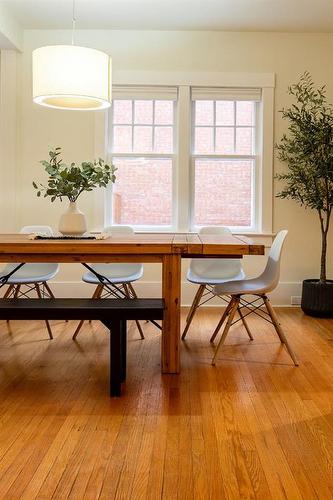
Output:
x=235 y=128
x=214 y=126
x=217 y=156
x=148 y=156
x=133 y=109
x=153 y=128
x=182 y=192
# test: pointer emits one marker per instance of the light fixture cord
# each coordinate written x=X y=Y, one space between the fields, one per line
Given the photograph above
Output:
x=73 y=23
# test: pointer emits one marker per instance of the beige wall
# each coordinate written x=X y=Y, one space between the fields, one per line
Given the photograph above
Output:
x=286 y=55
x=11 y=33
x=9 y=137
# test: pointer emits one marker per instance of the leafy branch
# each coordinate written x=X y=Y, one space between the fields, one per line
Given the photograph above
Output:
x=70 y=181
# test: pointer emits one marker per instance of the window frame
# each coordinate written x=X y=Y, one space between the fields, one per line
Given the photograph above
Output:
x=219 y=156
x=184 y=80
x=171 y=156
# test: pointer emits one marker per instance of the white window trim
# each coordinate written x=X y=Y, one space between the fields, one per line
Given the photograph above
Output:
x=182 y=170
x=251 y=157
x=146 y=93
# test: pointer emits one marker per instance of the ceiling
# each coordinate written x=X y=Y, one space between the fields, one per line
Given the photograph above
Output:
x=228 y=15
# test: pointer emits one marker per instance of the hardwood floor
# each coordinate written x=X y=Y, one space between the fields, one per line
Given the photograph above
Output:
x=254 y=426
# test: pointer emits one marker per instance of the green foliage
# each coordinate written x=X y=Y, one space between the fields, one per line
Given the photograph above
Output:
x=308 y=148
x=70 y=181
x=308 y=152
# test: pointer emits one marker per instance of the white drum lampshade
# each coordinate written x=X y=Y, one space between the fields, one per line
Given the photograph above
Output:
x=71 y=77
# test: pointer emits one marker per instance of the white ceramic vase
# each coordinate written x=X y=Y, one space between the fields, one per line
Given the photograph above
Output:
x=73 y=221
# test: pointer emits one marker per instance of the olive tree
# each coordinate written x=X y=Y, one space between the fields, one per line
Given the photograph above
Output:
x=307 y=150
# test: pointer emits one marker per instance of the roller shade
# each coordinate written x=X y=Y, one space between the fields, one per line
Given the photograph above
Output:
x=146 y=92
x=225 y=94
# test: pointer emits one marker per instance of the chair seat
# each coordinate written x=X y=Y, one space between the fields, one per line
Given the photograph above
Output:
x=255 y=286
x=115 y=273
x=208 y=280
x=30 y=273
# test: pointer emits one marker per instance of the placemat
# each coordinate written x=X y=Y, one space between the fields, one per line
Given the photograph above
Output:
x=39 y=236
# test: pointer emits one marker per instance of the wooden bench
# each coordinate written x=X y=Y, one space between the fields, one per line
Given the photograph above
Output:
x=113 y=313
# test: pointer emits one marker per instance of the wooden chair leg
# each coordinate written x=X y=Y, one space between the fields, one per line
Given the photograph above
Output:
x=279 y=330
x=16 y=289
x=246 y=326
x=96 y=295
x=98 y=291
x=137 y=322
x=194 y=307
x=51 y=294
x=195 y=301
x=49 y=290
x=130 y=292
x=37 y=287
x=235 y=304
x=8 y=291
x=78 y=328
x=222 y=320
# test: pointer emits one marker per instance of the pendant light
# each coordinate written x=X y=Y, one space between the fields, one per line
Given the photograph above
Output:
x=71 y=77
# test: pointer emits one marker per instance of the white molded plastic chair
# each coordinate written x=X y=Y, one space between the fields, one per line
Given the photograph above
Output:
x=121 y=275
x=259 y=287
x=210 y=272
x=33 y=277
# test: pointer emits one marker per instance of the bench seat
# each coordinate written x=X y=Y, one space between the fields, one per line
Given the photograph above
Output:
x=113 y=313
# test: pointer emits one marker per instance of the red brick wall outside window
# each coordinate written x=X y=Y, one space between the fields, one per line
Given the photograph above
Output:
x=223 y=186
x=143 y=129
x=223 y=162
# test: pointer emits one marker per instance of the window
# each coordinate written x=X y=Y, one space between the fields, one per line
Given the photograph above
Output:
x=223 y=159
x=142 y=149
x=190 y=157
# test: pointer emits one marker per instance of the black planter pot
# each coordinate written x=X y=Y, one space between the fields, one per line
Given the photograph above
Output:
x=317 y=298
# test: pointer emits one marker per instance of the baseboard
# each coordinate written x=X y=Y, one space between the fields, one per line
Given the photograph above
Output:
x=281 y=296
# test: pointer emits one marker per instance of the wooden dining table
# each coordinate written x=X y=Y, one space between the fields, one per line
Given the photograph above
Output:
x=167 y=249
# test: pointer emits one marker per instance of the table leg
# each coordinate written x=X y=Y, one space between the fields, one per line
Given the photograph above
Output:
x=171 y=278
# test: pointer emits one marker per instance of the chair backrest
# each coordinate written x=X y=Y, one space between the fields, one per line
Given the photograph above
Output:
x=271 y=274
x=47 y=230
x=31 y=270
x=216 y=268
x=214 y=230
x=120 y=269
x=119 y=230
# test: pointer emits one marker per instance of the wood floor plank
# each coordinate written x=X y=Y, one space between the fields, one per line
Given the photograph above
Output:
x=253 y=426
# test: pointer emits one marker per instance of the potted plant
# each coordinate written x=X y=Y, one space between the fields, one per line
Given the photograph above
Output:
x=69 y=182
x=308 y=152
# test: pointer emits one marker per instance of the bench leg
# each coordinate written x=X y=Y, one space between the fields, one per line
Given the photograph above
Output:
x=123 y=349
x=115 y=358
x=117 y=355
